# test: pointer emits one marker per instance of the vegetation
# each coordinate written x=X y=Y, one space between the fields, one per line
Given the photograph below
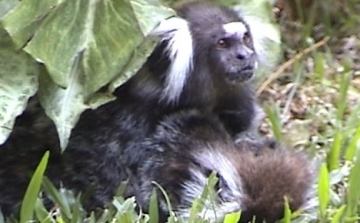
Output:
x=312 y=98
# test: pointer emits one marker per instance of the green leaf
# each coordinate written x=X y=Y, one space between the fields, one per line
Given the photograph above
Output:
x=125 y=210
x=333 y=156
x=287 y=211
x=339 y=213
x=353 y=145
x=138 y=58
x=342 y=101
x=274 y=117
x=41 y=213
x=6 y=6
x=353 y=194
x=2 y=219
x=84 y=44
x=26 y=18
x=76 y=210
x=92 y=218
x=208 y=195
x=32 y=191
x=63 y=106
x=232 y=217
x=18 y=82
x=323 y=189
x=153 y=207
x=51 y=190
x=106 y=32
x=119 y=27
x=320 y=62
x=167 y=199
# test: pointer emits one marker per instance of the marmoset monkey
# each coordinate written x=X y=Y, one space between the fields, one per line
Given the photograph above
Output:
x=204 y=61
x=185 y=148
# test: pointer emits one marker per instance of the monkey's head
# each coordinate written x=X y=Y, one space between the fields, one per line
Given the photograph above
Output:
x=222 y=41
x=206 y=41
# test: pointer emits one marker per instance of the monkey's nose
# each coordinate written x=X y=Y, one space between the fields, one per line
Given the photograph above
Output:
x=245 y=54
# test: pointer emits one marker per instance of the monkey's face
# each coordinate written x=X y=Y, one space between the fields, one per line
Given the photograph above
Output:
x=232 y=53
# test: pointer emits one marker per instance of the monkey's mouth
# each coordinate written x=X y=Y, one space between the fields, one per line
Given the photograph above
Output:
x=240 y=76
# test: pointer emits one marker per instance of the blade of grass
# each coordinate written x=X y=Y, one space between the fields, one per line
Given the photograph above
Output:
x=339 y=213
x=333 y=157
x=353 y=194
x=41 y=213
x=341 y=102
x=125 y=209
x=168 y=203
x=199 y=203
x=287 y=211
x=32 y=191
x=92 y=218
x=274 y=117
x=154 y=207
x=323 y=190
x=352 y=147
x=51 y=190
x=319 y=65
x=76 y=210
x=105 y=216
x=232 y=217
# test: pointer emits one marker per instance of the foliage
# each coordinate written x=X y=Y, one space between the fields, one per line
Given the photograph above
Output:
x=83 y=46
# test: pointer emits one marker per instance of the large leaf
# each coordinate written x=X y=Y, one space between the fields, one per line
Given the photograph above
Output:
x=18 y=82
x=6 y=5
x=105 y=31
x=63 y=106
x=25 y=19
x=84 y=44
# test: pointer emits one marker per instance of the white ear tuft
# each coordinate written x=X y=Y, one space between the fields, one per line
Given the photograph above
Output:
x=180 y=51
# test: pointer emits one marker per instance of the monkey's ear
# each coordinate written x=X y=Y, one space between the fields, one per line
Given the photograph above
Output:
x=179 y=48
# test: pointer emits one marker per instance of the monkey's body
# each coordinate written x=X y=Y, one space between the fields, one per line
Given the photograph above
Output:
x=184 y=149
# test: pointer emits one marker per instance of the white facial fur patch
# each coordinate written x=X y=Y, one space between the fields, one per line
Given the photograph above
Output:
x=180 y=51
x=235 y=29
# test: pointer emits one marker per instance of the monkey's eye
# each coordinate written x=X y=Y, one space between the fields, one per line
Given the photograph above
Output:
x=223 y=44
x=247 y=38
